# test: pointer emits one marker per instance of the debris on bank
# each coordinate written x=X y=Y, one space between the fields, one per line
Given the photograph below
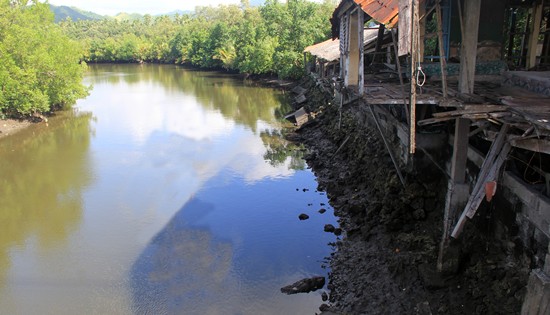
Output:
x=386 y=261
x=304 y=286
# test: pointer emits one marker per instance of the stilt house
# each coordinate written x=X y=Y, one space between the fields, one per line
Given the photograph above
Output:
x=478 y=67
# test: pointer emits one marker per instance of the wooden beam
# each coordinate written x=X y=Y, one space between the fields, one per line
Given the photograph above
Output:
x=531 y=143
x=476 y=109
x=379 y=40
x=457 y=191
x=534 y=35
x=493 y=161
x=468 y=53
x=398 y=66
x=442 y=52
x=401 y=178
x=460 y=150
x=405 y=23
x=421 y=28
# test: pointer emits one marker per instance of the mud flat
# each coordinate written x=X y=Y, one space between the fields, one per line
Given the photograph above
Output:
x=11 y=126
x=385 y=261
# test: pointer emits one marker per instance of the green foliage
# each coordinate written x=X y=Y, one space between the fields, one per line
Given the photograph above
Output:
x=268 y=39
x=39 y=66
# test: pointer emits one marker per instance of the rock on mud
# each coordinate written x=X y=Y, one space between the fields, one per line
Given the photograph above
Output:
x=304 y=286
x=329 y=228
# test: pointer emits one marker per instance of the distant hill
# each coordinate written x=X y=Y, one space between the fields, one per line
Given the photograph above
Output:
x=63 y=12
x=123 y=16
x=180 y=12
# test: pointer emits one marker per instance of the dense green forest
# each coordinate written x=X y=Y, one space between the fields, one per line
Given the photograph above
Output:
x=40 y=67
x=268 y=39
x=42 y=63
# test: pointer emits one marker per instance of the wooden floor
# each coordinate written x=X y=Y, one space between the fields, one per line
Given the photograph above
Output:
x=494 y=103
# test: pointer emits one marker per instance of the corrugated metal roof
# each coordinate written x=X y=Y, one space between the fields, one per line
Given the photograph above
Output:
x=329 y=50
x=383 y=11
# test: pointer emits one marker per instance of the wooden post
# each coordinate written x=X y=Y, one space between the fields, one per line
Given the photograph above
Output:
x=468 y=53
x=394 y=161
x=460 y=150
x=534 y=35
x=511 y=38
x=421 y=28
x=442 y=52
x=457 y=193
x=400 y=73
x=415 y=54
x=306 y=68
x=360 y=43
x=537 y=298
x=379 y=41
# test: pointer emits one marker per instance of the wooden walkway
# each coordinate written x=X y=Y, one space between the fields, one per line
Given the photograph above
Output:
x=492 y=103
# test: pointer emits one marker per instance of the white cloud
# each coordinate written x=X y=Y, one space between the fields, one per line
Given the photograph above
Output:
x=110 y=7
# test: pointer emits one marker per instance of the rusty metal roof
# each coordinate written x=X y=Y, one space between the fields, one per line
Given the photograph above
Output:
x=383 y=11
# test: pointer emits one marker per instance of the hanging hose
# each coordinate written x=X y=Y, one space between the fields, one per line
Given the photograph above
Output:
x=419 y=73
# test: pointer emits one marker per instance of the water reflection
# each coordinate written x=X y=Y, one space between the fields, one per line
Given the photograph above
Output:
x=173 y=184
x=280 y=151
x=233 y=99
x=44 y=172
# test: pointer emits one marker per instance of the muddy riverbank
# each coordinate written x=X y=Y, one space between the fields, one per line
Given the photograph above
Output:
x=11 y=126
x=385 y=262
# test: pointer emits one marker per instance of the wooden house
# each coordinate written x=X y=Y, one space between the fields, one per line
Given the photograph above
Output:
x=476 y=66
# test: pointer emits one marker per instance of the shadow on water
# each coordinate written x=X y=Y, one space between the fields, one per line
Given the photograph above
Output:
x=231 y=248
x=46 y=166
x=181 y=267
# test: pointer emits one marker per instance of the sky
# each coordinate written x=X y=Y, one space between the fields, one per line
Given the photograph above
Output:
x=113 y=7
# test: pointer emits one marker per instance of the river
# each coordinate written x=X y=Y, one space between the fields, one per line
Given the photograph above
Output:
x=166 y=191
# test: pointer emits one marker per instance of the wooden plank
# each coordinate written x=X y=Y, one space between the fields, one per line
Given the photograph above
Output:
x=398 y=101
x=535 y=145
x=480 y=110
x=300 y=99
x=405 y=31
x=488 y=116
x=491 y=176
x=534 y=119
x=531 y=143
x=526 y=101
x=468 y=53
x=534 y=36
x=495 y=152
x=298 y=90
